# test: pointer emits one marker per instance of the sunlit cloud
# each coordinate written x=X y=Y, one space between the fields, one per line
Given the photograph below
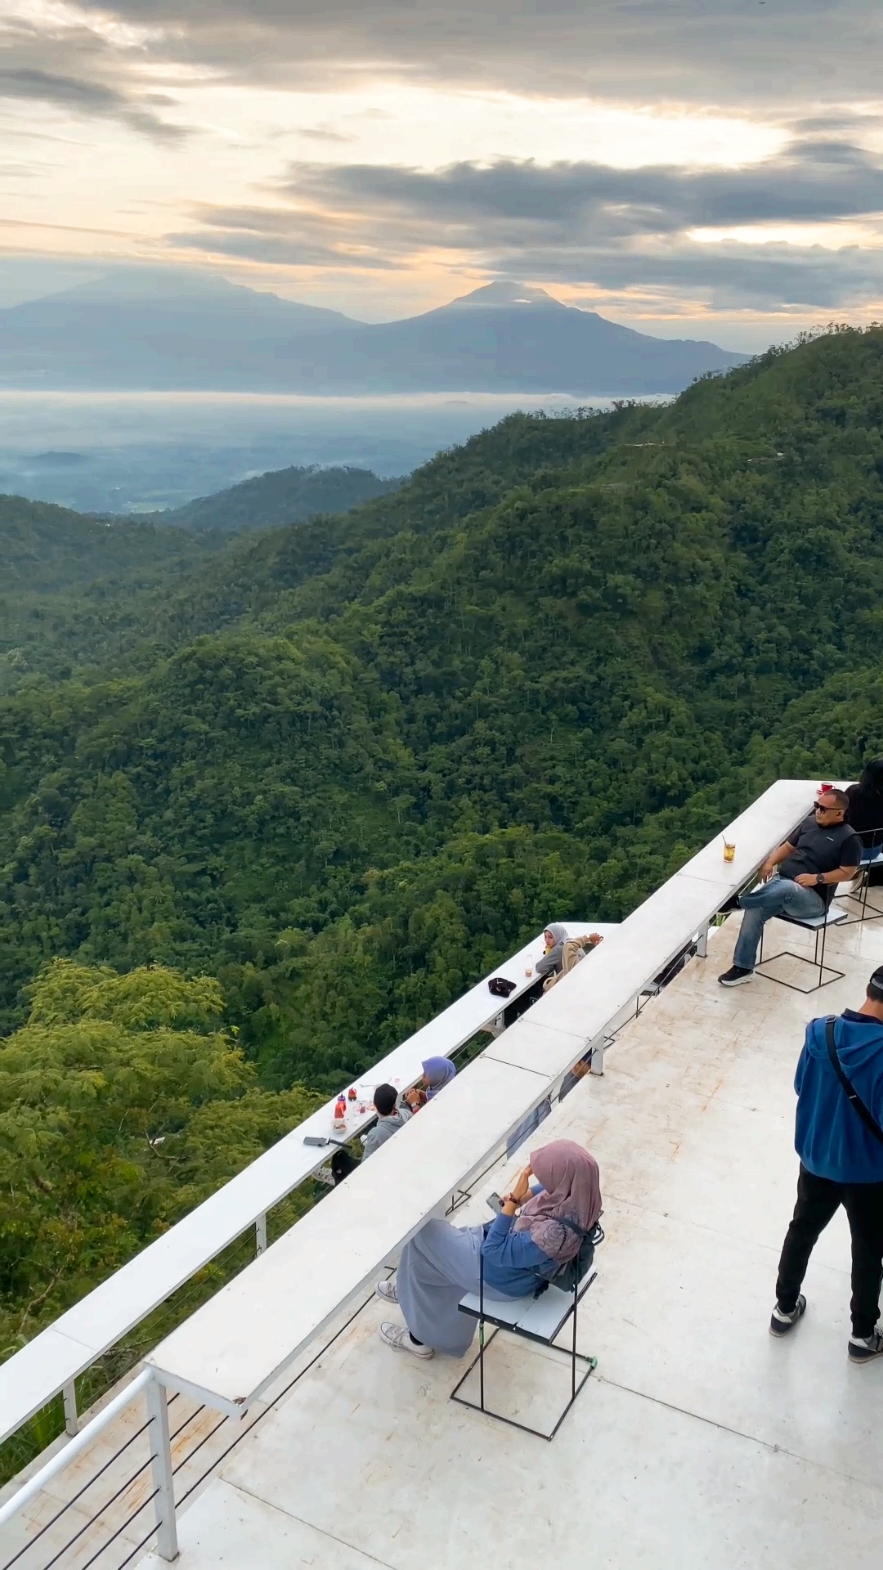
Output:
x=829 y=236
x=57 y=16
x=660 y=159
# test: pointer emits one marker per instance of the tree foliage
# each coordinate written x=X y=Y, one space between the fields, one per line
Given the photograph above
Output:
x=346 y=765
x=123 y=1103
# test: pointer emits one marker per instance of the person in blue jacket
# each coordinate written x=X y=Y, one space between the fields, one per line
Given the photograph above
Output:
x=841 y=1163
x=514 y=1254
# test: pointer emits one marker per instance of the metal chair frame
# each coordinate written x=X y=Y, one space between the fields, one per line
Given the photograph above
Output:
x=875 y=859
x=486 y=1316
x=820 y=929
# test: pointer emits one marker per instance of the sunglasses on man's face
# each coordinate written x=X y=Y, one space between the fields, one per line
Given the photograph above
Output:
x=820 y=807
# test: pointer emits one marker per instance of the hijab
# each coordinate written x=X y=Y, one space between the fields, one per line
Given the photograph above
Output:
x=558 y=932
x=572 y=1186
x=437 y=1072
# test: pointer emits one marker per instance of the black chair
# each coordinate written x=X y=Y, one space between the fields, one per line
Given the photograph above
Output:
x=872 y=860
x=539 y=1319
x=834 y=916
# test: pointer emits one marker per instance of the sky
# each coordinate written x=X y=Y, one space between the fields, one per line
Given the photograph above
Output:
x=701 y=168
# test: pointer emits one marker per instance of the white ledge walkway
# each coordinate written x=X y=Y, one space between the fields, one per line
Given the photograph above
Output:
x=701 y=1443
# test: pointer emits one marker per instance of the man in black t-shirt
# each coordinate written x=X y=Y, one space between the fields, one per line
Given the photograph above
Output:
x=799 y=879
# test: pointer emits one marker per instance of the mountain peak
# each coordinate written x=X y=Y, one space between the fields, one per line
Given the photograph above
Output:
x=144 y=283
x=503 y=294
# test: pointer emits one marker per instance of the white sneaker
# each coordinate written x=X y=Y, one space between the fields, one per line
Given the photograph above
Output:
x=386 y=1290
x=399 y=1338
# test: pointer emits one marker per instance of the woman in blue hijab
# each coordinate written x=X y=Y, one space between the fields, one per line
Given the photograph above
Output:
x=437 y=1072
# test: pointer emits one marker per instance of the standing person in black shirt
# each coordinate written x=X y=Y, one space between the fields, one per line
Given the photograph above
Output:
x=799 y=879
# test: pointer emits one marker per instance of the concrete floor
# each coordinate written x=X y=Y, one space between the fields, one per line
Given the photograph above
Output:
x=699 y=1442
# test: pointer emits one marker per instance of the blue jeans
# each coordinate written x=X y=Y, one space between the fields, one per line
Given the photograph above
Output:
x=780 y=896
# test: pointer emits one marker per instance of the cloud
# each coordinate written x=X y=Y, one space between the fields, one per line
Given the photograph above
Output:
x=785 y=67
x=578 y=223
x=320 y=134
x=814 y=181
x=729 y=276
x=279 y=251
x=283 y=238
x=88 y=98
x=790 y=51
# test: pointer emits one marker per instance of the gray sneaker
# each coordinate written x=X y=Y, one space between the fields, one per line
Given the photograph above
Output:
x=781 y=1323
x=386 y=1290
x=864 y=1349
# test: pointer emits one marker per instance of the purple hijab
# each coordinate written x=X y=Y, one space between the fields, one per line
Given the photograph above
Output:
x=572 y=1188
x=437 y=1072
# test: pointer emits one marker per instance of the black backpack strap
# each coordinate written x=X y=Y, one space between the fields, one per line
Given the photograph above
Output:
x=867 y=1118
x=572 y=1226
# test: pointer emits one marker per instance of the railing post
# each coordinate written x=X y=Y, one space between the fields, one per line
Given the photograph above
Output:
x=71 y=1418
x=702 y=944
x=260 y=1234
x=161 y=1465
x=598 y=1049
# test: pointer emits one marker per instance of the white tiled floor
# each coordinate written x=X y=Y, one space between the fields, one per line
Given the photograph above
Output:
x=700 y=1443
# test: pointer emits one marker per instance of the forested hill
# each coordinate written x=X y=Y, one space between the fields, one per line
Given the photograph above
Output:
x=281 y=496
x=46 y=549
x=109 y=578
x=346 y=766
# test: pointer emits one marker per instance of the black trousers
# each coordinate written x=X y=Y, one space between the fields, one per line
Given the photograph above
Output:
x=342 y=1164
x=818 y=1200
x=514 y=1011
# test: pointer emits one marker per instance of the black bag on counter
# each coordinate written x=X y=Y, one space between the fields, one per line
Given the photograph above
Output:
x=500 y=987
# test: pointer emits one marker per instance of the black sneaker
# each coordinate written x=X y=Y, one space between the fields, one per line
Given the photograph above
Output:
x=863 y=1349
x=735 y=976
x=780 y=1322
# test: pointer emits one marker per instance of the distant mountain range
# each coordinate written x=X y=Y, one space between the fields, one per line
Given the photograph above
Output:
x=156 y=330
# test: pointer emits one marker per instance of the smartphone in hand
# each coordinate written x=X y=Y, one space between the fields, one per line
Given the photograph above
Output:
x=495 y=1203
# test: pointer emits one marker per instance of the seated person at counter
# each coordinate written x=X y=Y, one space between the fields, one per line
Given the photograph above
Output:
x=390 y=1118
x=437 y=1072
x=798 y=879
x=515 y=1253
x=555 y=936
x=549 y=967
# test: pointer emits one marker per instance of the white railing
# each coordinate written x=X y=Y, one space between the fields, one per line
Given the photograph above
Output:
x=160 y=1459
x=54 y=1359
x=575 y=1016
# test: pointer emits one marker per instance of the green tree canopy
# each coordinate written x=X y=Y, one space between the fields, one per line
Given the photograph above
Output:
x=122 y=1104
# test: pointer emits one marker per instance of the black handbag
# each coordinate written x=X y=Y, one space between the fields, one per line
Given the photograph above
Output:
x=867 y=1117
x=500 y=987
